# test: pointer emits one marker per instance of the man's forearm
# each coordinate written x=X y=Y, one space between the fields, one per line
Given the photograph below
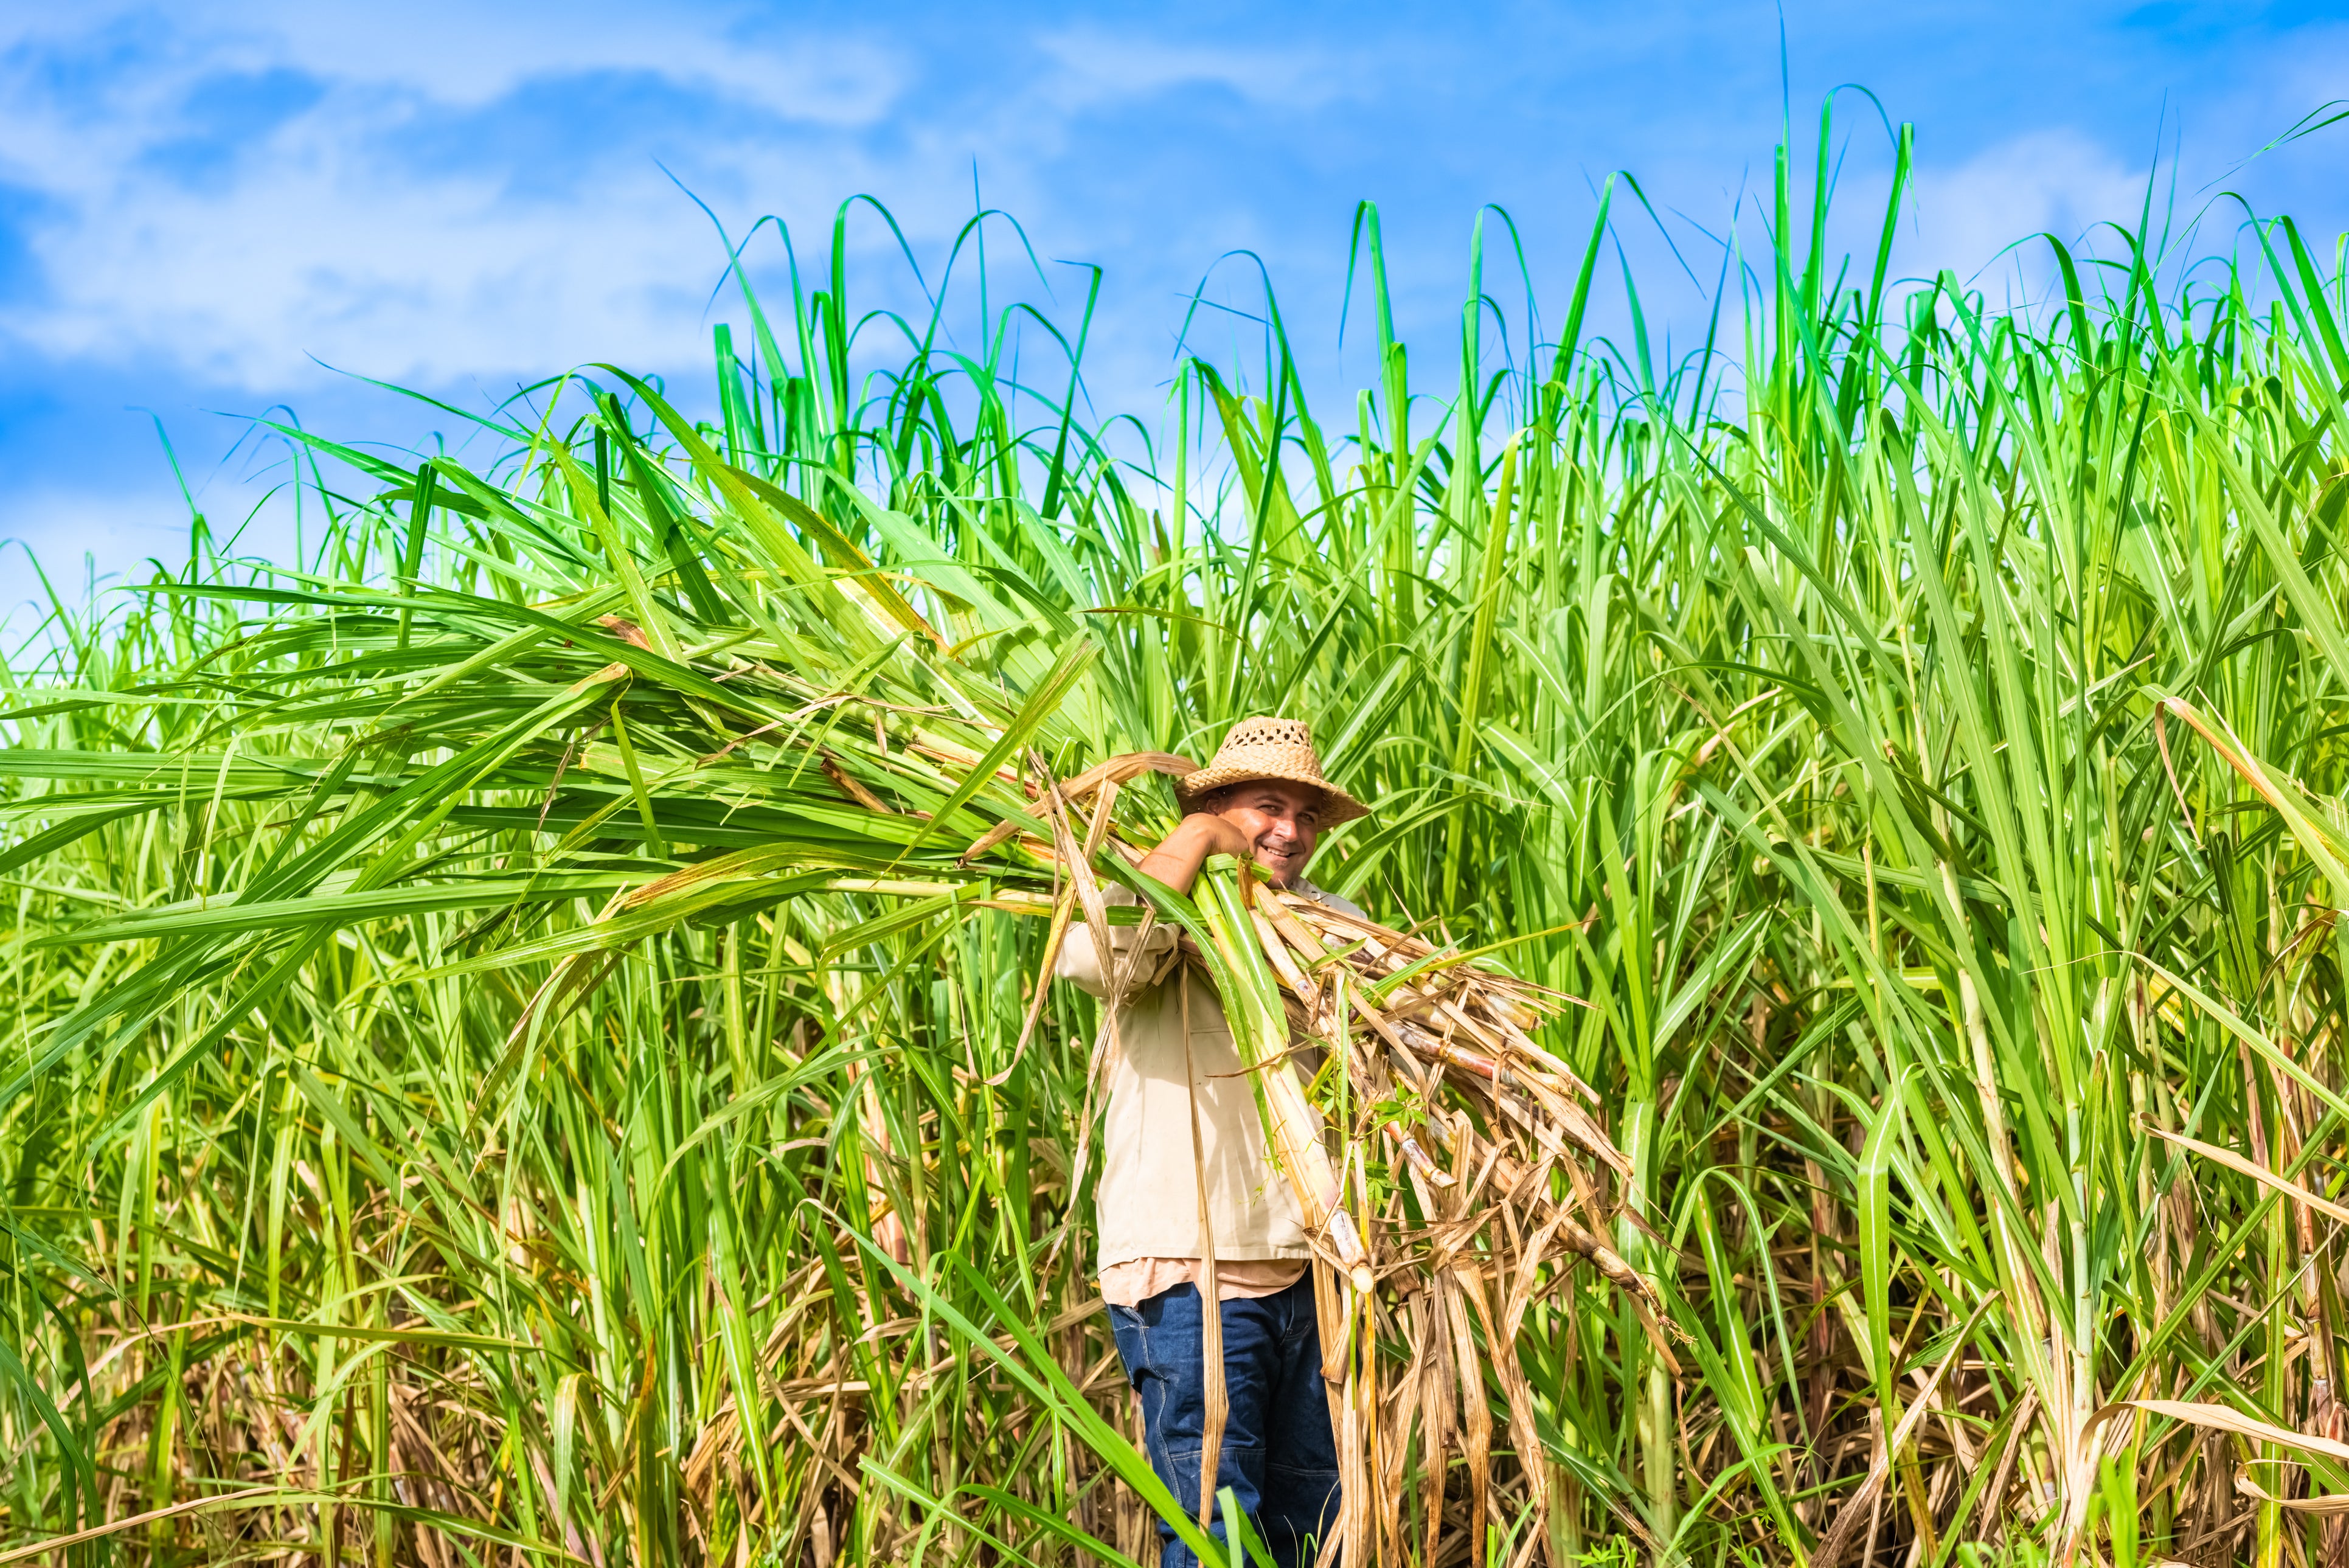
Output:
x=1178 y=857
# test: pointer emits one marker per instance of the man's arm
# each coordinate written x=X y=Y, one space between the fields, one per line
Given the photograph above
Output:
x=1175 y=861
x=1178 y=857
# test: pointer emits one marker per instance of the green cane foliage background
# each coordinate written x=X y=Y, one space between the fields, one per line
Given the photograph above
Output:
x=1922 y=748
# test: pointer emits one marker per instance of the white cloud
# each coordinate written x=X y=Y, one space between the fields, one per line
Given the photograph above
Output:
x=2055 y=181
x=315 y=252
x=1098 y=65
x=321 y=236
x=464 y=53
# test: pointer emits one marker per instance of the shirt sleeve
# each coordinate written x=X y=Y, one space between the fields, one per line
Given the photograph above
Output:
x=1343 y=905
x=1081 y=961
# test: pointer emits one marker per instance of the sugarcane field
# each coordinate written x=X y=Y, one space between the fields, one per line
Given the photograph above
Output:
x=1724 y=955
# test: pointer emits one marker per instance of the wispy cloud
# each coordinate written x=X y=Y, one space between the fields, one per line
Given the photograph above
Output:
x=1982 y=219
x=1100 y=65
x=234 y=200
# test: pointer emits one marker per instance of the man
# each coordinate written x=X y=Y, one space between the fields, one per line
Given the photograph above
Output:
x=1262 y=798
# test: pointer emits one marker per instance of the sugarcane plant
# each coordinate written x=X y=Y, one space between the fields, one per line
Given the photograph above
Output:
x=529 y=1030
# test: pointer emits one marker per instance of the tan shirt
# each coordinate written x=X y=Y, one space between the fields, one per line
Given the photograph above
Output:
x=1148 y=1197
x=1136 y=1280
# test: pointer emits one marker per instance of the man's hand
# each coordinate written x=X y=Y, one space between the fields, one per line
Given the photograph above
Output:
x=1223 y=836
x=1177 y=858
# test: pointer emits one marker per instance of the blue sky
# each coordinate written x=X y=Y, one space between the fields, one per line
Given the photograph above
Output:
x=211 y=211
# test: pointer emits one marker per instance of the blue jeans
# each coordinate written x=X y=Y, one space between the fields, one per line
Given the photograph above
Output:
x=1278 y=1458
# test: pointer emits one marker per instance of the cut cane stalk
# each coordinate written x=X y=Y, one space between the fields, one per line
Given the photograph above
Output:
x=1418 y=1157
x=1259 y=1034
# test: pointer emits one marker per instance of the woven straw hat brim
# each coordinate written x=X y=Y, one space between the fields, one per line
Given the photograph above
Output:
x=1336 y=806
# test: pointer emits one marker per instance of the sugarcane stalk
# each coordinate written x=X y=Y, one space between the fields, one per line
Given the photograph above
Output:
x=1261 y=1034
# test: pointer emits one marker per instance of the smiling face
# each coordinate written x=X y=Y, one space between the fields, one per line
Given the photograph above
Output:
x=1282 y=820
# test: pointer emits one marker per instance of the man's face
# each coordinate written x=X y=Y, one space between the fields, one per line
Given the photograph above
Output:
x=1281 y=819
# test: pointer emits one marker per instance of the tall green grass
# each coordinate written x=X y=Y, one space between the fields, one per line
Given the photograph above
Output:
x=1925 y=764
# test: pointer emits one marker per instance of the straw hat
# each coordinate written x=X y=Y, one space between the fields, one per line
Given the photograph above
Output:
x=1270 y=749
